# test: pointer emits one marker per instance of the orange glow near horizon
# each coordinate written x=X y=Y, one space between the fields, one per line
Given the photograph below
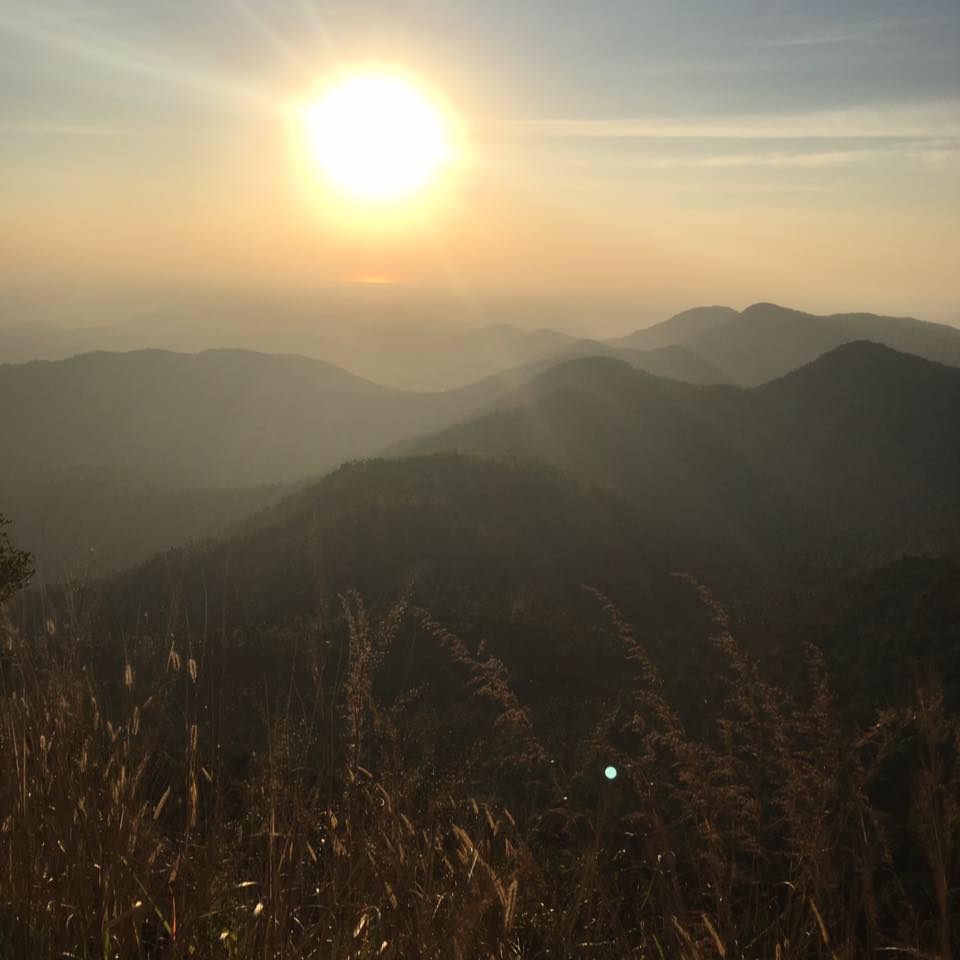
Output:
x=375 y=280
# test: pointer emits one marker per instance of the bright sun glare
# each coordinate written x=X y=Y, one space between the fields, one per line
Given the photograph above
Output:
x=376 y=138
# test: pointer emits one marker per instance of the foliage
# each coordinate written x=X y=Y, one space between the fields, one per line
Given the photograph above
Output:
x=15 y=565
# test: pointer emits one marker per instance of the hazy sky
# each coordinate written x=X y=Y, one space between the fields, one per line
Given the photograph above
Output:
x=657 y=153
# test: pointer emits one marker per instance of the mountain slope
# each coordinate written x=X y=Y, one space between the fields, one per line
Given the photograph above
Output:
x=220 y=418
x=665 y=445
x=881 y=629
x=424 y=358
x=885 y=420
x=672 y=362
x=228 y=417
x=392 y=350
x=460 y=526
x=676 y=329
x=856 y=454
x=162 y=432
x=766 y=341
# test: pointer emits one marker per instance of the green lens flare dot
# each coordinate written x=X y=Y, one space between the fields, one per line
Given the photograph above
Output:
x=610 y=773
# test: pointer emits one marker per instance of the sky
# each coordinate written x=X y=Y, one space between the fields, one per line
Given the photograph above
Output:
x=627 y=157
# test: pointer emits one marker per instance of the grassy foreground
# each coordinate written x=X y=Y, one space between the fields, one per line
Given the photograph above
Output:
x=149 y=809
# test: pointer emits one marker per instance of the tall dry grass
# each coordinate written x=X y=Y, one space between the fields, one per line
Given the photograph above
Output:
x=349 y=816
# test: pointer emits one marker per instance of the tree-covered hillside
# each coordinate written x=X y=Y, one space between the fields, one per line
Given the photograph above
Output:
x=853 y=458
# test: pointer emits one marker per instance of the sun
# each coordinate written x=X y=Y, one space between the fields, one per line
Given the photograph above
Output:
x=376 y=138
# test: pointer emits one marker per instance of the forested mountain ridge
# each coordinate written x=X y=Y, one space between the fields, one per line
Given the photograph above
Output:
x=152 y=436
x=859 y=451
x=160 y=425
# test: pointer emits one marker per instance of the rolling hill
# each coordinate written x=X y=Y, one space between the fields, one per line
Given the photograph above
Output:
x=672 y=362
x=406 y=350
x=219 y=418
x=799 y=465
x=392 y=350
x=459 y=526
x=676 y=329
x=766 y=341
x=179 y=445
x=857 y=453
x=230 y=417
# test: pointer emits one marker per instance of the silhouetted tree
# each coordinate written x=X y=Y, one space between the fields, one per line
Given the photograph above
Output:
x=15 y=565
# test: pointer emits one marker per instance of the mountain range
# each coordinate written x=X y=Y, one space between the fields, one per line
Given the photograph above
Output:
x=112 y=457
x=153 y=436
x=766 y=341
x=857 y=451
x=234 y=417
x=408 y=352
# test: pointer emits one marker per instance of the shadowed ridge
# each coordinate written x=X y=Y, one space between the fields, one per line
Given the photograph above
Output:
x=766 y=340
x=885 y=423
x=673 y=362
x=769 y=310
x=677 y=328
x=608 y=378
x=591 y=370
x=860 y=363
x=218 y=418
x=857 y=453
x=445 y=519
x=156 y=360
x=294 y=361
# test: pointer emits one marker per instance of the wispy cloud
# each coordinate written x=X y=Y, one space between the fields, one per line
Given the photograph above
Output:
x=827 y=158
x=934 y=153
x=865 y=32
x=923 y=121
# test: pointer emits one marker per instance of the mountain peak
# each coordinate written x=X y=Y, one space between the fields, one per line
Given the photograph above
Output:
x=765 y=308
x=590 y=367
x=680 y=326
x=869 y=366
